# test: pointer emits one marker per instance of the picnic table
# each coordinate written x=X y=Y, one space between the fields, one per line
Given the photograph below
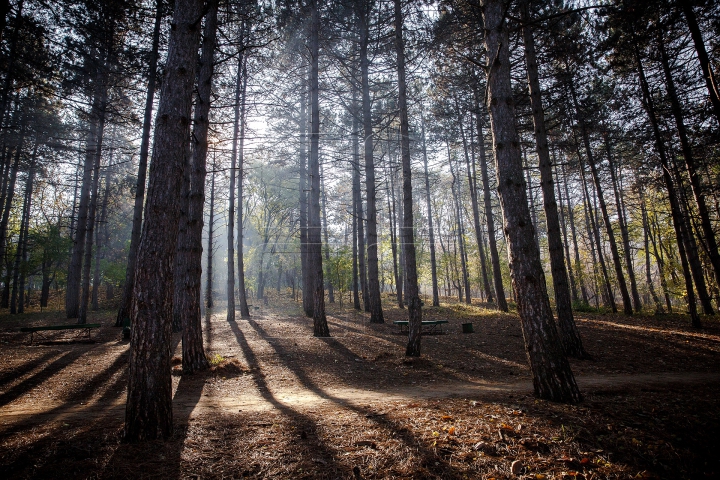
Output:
x=427 y=327
x=73 y=326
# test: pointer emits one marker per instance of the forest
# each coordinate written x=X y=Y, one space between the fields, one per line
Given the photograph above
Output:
x=359 y=239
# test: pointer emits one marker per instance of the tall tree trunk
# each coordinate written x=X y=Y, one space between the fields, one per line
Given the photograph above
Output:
x=148 y=414
x=678 y=222
x=9 y=196
x=190 y=246
x=594 y=233
x=101 y=234
x=320 y=326
x=242 y=296
x=691 y=247
x=709 y=233
x=637 y=304
x=357 y=206
x=431 y=231
x=573 y=234
x=568 y=330
x=648 y=274
x=92 y=214
x=710 y=81
x=627 y=303
x=233 y=173
x=126 y=300
x=390 y=187
x=552 y=377
x=476 y=212
x=492 y=241
x=17 y=301
x=408 y=237
x=376 y=313
x=661 y=266
x=563 y=227
x=455 y=187
x=304 y=248
x=209 y=303
x=328 y=281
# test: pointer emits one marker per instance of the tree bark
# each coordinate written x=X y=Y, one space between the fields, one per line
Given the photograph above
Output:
x=125 y=303
x=573 y=233
x=455 y=188
x=9 y=196
x=492 y=241
x=148 y=414
x=552 y=377
x=190 y=246
x=569 y=333
x=320 y=326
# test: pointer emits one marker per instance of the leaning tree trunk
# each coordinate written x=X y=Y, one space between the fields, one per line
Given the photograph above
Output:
x=148 y=414
x=489 y=219
x=568 y=330
x=190 y=246
x=563 y=227
x=320 y=326
x=710 y=82
x=125 y=303
x=408 y=238
x=678 y=221
x=552 y=377
x=390 y=196
x=627 y=303
x=455 y=188
x=376 y=313
x=710 y=241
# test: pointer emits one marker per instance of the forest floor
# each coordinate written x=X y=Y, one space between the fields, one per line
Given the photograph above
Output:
x=279 y=403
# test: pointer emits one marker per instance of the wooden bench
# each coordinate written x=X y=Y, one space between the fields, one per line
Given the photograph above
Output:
x=73 y=326
x=427 y=327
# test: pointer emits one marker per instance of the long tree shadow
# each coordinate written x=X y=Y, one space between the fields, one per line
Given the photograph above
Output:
x=304 y=424
x=435 y=464
x=32 y=381
x=50 y=452
x=21 y=370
